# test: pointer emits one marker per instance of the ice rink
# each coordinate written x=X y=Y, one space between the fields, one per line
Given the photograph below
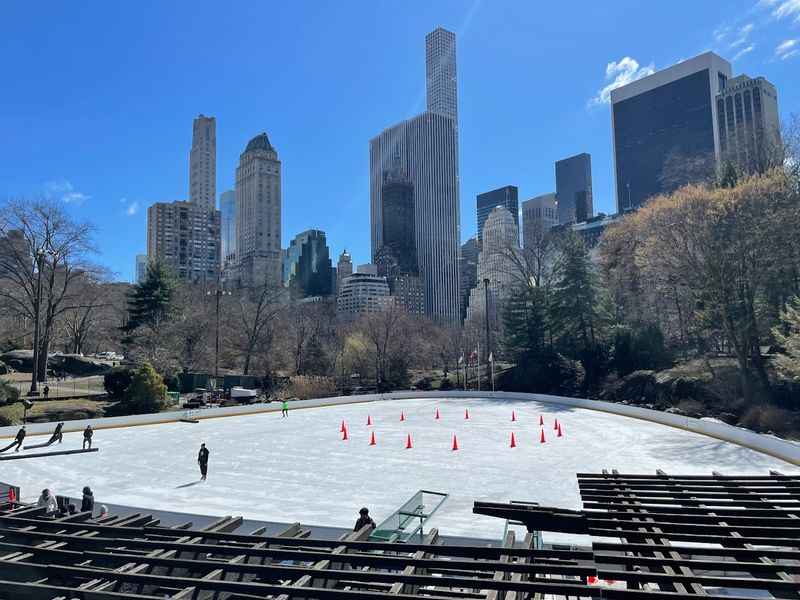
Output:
x=298 y=469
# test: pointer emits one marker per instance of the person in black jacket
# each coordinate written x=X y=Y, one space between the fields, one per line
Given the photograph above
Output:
x=87 y=437
x=20 y=438
x=87 y=504
x=57 y=435
x=364 y=519
x=202 y=460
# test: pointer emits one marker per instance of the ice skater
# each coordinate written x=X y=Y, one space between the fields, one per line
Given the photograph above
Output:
x=364 y=519
x=20 y=438
x=202 y=460
x=57 y=435
x=87 y=437
x=285 y=408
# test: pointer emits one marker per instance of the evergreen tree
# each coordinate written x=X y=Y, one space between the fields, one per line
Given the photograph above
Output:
x=146 y=392
x=151 y=302
x=525 y=325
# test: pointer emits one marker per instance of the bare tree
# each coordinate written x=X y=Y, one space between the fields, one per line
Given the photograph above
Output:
x=44 y=251
x=255 y=310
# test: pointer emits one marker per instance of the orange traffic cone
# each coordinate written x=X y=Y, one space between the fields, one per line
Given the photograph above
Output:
x=466 y=413
x=342 y=427
x=369 y=420
x=559 y=431
x=372 y=439
x=541 y=437
x=555 y=425
x=513 y=416
x=455 y=442
x=437 y=413
x=513 y=440
x=402 y=416
x=541 y=420
x=344 y=434
x=408 y=442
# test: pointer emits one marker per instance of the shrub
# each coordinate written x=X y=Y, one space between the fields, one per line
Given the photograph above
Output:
x=117 y=381
x=306 y=387
x=8 y=393
x=691 y=408
x=172 y=382
x=640 y=348
x=11 y=414
x=145 y=394
x=424 y=384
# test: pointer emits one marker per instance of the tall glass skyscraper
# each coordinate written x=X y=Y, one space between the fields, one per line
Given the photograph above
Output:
x=427 y=147
x=665 y=128
x=574 y=188
x=307 y=268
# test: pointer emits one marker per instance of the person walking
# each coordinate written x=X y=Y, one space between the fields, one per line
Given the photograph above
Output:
x=364 y=519
x=48 y=502
x=202 y=460
x=87 y=437
x=46 y=391
x=20 y=438
x=285 y=409
x=87 y=503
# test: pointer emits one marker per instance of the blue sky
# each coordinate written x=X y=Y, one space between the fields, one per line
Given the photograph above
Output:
x=97 y=98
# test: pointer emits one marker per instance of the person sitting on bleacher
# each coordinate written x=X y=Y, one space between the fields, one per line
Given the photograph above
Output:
x=87 y=504
x=364 y=520
x=48 y=501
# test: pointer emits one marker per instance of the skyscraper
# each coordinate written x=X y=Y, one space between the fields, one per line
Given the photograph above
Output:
x=307 y=265
x=227 y=209
x=749 y=124
x=203 y=163
x=258 y=215
x=539 y=214
x=574 y=188
x=362 y=293
x=506 y=196
x=501 y=237
x=440 y=73
x=665 y=128
x=141 y=268
x=344 y=268
x=185 y=237
x=468 y=271
x=427 y=148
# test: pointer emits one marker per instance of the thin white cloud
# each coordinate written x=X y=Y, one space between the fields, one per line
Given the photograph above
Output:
x=787 y=9
x=132 y=208
x=742 y=52
x=63 y=190
x=742 y=36
x=619 y=73
x=787 y=49
x=721 y=32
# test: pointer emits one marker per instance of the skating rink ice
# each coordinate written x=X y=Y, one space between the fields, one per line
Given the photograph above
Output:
x=298 y=469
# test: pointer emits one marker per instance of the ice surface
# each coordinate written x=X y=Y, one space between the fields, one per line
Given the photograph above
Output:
x=298 y=469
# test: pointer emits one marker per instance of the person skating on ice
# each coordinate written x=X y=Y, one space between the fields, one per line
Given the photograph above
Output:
x=285 y=408
x=202 y=460
x=57 y=435
x=87 y=437
x=20 y=438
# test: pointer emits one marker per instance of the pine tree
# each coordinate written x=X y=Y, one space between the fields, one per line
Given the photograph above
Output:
x=146 y=393
x=151 y=302
x=525 y=324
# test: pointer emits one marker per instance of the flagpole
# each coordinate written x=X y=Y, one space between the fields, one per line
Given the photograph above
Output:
x=478 y=365
x=491 y=365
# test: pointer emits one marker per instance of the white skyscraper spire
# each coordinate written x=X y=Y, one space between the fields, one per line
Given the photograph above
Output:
x=440 y=72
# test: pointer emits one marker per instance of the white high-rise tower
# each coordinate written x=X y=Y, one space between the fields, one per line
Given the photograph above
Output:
x=203 y=163
x=427 y=148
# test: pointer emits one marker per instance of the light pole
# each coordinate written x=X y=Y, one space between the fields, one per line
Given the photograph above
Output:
x=217 y=293
x=34 y=391
x=486 y=314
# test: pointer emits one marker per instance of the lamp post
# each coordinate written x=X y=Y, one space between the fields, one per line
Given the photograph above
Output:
x=34 y=391
x=486 y=314
x=217 y=293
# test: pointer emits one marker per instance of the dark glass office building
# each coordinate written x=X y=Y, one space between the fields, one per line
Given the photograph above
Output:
x=398 y=235
x=574 y=188
x=505 y=196
x=307 y=267
x=665 y=131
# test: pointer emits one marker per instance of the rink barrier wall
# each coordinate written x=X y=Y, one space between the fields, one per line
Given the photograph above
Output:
x=776 y=447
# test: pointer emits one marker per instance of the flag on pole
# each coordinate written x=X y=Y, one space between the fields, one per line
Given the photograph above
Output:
x=461 y=359
x=491 y=358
